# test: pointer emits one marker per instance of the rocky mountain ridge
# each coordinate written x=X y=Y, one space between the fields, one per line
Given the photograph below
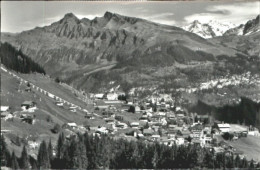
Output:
x=89 y=53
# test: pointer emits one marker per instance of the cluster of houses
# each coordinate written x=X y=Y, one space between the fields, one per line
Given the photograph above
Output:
x=158 y=120
x=28 y=107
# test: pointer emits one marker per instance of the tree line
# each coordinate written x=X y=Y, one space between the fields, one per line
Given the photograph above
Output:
x=15 y=60
x=245 y=112
x=86 y=151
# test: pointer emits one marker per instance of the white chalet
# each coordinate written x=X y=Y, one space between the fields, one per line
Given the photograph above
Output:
x=224 y=127
x=112 y=96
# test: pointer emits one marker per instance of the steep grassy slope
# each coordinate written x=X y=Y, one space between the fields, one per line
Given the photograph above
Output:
x=248 y=44
x=250 y=146
x=41 y=130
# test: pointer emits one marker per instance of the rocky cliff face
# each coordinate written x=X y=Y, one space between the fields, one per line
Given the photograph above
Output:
x=83 y=51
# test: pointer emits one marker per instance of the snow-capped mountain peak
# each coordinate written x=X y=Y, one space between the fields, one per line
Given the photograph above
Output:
x=200 y=29
x=210 y=29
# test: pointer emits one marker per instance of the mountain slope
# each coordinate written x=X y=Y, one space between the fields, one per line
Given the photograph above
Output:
x=248 y=44
x=17 y=61
x=71 y=48
x=251 y=27
x=244 y=38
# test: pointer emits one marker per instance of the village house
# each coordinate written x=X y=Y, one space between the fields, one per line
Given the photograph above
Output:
x=99 y=96
x=180 y=140
x=155 y=137
x=171 y=116
x=101 y=104
x=5 y=108
x=28 y=89
x=132 y=132
x=144 y=118
x=135 y=125
x=72 y=109
x=51 y=95
x=197 y=131
x=206 y=139
x=6 y=115
x=167 y=141
x=148 y=132
x=28 y=105
x=110 y=120
x=121 y=125
x=111 y=96
x=89 y=116
x=224 y=127
x=28 y=118
x=59 y=103
x=71 y=125
x=102 y=130
x=130 y=101
x=184 y=133
x=180 y=114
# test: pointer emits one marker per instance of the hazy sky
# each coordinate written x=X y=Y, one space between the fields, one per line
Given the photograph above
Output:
x=17 y=16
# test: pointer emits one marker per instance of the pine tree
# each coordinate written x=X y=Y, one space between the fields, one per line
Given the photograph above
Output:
x=3 y=152
x=33 y=162
x=50 y=150
x=74 y=155
x=83 y=155
x=60 y=146
x=155 y=159
x=24 y=159
x=66 y=160
x=237 y=161
x=91 y=154
x=14 y=162
x=244 y=163
x=208 y=160
x=230 y=162
x=252 y=166
x=43 y=160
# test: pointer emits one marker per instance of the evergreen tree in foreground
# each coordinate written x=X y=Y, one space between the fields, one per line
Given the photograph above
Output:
x=24 y=159
x=14 y=162
x=4 y=152
x=43 y=160
x=50 y=151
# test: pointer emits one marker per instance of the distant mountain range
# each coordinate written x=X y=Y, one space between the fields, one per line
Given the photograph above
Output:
x=214 y=28
x=89 y=54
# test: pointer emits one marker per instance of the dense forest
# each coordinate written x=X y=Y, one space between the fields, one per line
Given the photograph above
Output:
x=246 y=112
x=100 y=152
x=17 y=61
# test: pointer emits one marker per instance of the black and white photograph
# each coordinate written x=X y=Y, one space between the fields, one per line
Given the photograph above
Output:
x=130 y=84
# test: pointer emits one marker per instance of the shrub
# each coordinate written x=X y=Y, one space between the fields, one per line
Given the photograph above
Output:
x=228 y=136
x=56 y=128
x=131 y=109
x=49 y=119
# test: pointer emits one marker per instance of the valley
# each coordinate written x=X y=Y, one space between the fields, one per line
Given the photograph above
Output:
x=114 y=84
